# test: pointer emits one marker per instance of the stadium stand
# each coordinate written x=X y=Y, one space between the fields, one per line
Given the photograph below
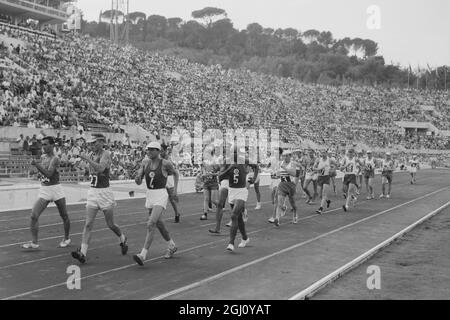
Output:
x=78 y=79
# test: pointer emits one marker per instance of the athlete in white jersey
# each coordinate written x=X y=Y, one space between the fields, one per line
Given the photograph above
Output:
x=322 y=167
x=413 y=167
x=387 y=173
x=286 y=188
x=350 y=167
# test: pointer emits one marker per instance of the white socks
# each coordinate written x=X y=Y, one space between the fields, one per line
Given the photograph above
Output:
x=171 y=244
x=143 y=253
x=84 y=248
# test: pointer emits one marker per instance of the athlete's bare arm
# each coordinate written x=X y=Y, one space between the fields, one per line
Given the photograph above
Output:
x=170 y=169
x=140 y=172
x=54 y=165
x=105 y=161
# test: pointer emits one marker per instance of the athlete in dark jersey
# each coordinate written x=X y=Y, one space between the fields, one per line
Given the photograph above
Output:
x=50 y=191
x=237 y=194
x=155 y=171
x=100 y=197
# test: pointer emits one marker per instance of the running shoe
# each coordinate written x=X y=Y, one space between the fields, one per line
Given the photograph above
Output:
x=229 y=224
x=381 y=196
x=79 y=256
x=124 y=247
x=177 y=219
x=271 y=220
x=277 y=223
x=204 y=216
x=283 y=213
x=345 y=208
x=328 y=203
x=244 y=243
x=295 y=220
x=214 y=231
x=170 y=252
x=388 y=196
x=64 y=243
x=258 y=206
x=138 y=259
x=319 y=211
x=230 y=247
x=30 y=245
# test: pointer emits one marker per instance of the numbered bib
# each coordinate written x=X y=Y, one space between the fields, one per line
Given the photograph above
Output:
x=94 y=180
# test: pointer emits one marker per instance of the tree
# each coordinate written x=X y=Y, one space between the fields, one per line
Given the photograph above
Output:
x=111 y=14
x=157 y=25
x=254 y=28
x=290 y=34
x=326 y=39
x=370 y=48
x=311 y=35
x=136 y=16
x=208 y=14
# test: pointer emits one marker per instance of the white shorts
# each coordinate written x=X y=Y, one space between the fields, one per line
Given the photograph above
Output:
x=100 y=198
x=157 y=197
x=311 y=176
x=170 y=182
x=413 y=170
x=274 y=183
x=250 y=175
x=225 y=184
x=51 y=193
x=237 y=194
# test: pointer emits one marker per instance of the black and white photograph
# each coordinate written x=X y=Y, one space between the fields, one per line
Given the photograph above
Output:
x=225 y=155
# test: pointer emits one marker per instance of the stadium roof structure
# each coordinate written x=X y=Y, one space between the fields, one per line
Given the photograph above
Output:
x=30 y=9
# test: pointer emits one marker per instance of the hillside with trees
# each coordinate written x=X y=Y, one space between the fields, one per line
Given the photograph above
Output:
x=311 y=56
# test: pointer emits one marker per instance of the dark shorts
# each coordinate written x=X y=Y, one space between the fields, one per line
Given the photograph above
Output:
x=286 y=189
x=350 y=178
x=369 y=174
x=210 y=186
x=388 y=176
x=333 y=174
x=323 y=180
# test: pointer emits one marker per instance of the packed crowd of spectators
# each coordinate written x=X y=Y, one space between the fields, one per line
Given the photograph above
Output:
x=85 y=80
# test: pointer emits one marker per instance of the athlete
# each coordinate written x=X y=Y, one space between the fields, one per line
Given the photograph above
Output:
x=333 y=173
x=224 y=184
x=255 y=168
x=237 y=195
x=274 y=167
x=210 y=184
x=413 y=167
x=286 y=188
x=50 y=191
x=359 y=176
x=323 y=167
x=350 y=167
x=173 y=198
x=369 y=165
x=155 y=170
x=100 y=197
x=310 y=176
x=387 y=173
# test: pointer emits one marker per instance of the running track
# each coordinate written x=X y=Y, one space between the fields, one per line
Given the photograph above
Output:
x=277 y=264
